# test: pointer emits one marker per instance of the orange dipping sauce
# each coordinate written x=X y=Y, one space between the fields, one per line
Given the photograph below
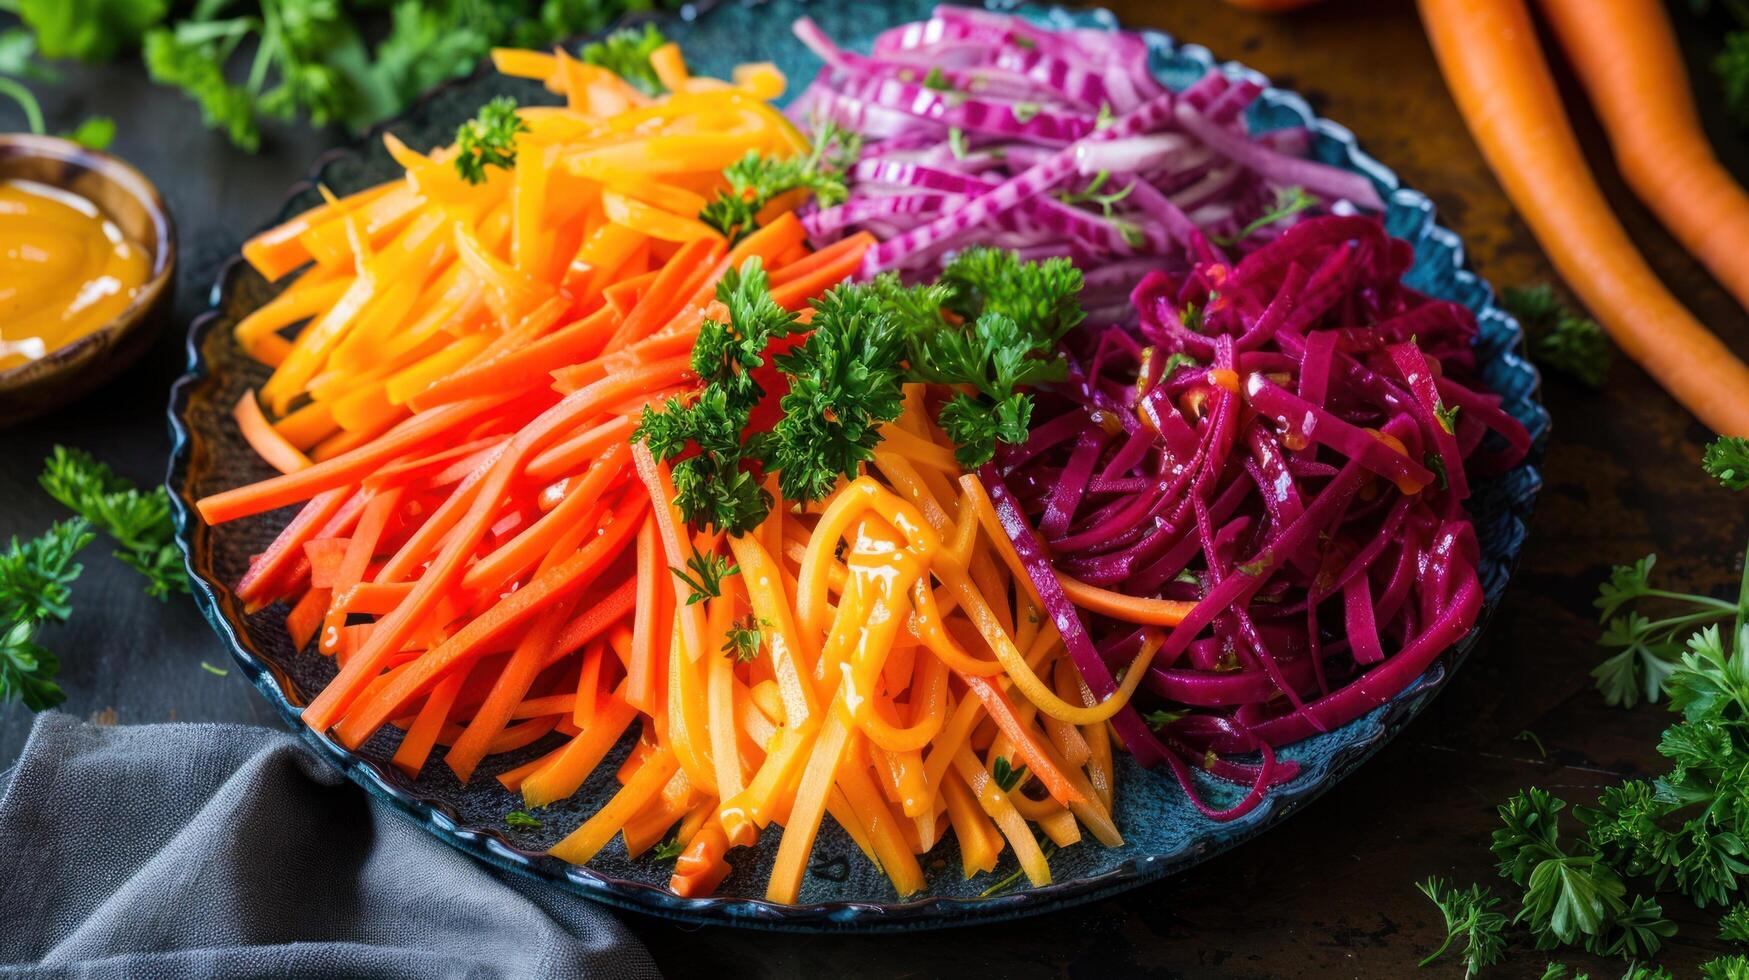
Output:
x=65 y=270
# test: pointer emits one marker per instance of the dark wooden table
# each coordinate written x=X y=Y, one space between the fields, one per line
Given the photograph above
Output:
x=1328 y=894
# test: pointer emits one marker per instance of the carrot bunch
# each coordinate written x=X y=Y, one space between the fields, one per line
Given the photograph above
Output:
x=1626 y=56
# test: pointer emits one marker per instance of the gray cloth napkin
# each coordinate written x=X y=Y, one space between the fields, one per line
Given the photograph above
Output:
x=228 y=851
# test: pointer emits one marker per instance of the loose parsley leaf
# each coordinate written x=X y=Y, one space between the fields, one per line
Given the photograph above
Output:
x=1560 y=339
x=706 y=580
x=196 y=67
x=742 y=641
x=35 y=575
x=937 y=79
x=1447 y=416
x=626 y=53
x=488 y=139
x=1470 y=914
x=956 y=142
x=669 y=850
x=521 y=820
x=1727 y=461
x=1734 y=967
x=138 y=522
x=93 y=31
x=1160 y=718
x=1289 y=201
x=1734 y=924
x=1005 y=774
x=27 y=670
x=95 y=133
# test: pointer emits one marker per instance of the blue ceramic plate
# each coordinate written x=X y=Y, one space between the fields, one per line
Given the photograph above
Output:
x=842 y=891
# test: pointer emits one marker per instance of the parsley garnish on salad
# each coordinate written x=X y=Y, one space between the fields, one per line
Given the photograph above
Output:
x=488 y=139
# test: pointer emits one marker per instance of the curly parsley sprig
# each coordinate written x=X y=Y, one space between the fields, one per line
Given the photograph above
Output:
x=488 y=139
x=1559 y=338
x=754 y=181
x=1727 y=461
x=138 y=522
x=34 y=580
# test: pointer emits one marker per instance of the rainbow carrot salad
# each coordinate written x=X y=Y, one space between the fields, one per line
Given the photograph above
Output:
x=899 y=461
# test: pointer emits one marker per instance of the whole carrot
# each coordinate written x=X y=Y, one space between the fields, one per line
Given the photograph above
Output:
x=1497 y=75
x=1626 y=56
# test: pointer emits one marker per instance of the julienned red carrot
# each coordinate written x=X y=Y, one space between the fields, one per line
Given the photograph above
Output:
x=262 y=437
x=289 y=545
x=520 y=606
x=351 y=467
x=795 y=292
x=643 y=685
x=445 y=570
x=1488 y=51
x=1625 y=53
x=526 y=366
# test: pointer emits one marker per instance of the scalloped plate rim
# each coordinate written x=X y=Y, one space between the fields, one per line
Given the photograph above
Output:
x=925 y=912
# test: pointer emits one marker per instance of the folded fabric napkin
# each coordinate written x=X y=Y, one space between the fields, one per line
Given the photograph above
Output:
x=229 y=851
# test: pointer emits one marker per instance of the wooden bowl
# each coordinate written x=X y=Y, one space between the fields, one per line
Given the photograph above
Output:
x=126 y=197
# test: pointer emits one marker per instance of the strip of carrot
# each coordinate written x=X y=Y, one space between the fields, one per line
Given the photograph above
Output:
x=290 y=488
x=764 y=244
x=596 y=618
x=548 y=704
x=643 y=685
x=416 y=745
x=647 y=828
x=892 y=853
x=419 y=469
x=719 y=696
x=470 y=529
x=512 y=779
x=521 y=552
x=569 y=455
x=507 y=691
x=665 y=297
x=808 y=262
x=277 y=251
x=702 y=867
x=999 y=808
x=530 y=364
x=588 y=685
x=668 y=525
x=980 y=845
x=755 y=807
x=588 y=840
x=307 y=425
x=305 y=617
x=803 y=824
x=687 y=727
x=288 y=546
x=792 y=662
x=325 y=555
x=470 y=641
x=670 y=66
x=794 y=294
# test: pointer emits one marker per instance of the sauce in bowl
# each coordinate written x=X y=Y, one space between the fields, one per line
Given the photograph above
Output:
x=66 y=270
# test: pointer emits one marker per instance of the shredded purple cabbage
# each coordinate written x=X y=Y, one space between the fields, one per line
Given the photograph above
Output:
x=1298 y=473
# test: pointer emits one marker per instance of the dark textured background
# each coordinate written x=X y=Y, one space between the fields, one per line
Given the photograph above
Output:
x=1329 y=893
